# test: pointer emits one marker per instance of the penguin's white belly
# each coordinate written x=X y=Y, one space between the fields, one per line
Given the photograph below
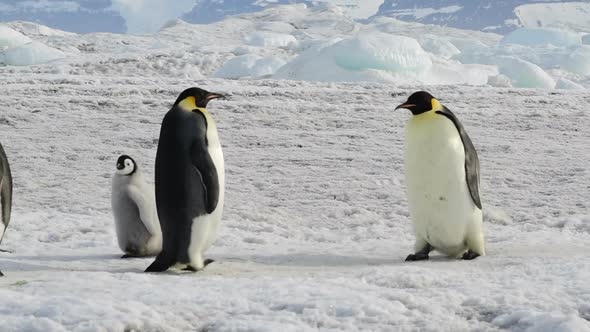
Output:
x=204 y=228
x=441 y=207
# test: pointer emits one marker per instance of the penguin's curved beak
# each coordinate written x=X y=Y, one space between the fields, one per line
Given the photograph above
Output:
x=406 y=106
x=120 y=166
x=210 y=96
x=213 y=95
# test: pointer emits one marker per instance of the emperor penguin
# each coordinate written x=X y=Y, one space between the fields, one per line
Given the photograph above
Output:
x=5 y=193
x=190 y=181
x=442 y=180
x=134 y=209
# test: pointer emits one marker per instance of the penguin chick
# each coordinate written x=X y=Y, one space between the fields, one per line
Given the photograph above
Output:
x=133 y=203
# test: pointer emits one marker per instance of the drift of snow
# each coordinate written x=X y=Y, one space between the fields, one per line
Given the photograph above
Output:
x=249 y=65
x=11 y=38
x=438 y=46
x=30 y=54
x=320 y=43
x=524 y=74
x=578 y=61
x=367 y=56
x=270 y=39
x=376 y=50
x=145 y=16
x=34 y=30
x=564 y=83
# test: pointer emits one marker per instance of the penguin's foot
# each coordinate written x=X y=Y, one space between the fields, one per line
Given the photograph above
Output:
x=419 y=256
x=1 y=275
x=469 y=255
x=8 y=251
x=193 y=269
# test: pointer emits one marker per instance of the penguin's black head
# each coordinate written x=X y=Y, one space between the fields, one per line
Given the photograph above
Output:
x=126 y=165
x=420 y=102
x=192 y=98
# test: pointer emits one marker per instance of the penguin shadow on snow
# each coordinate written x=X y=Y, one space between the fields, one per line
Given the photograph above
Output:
x=9 y=267
x=111 y=263
x=327 y=260
x=320 y=260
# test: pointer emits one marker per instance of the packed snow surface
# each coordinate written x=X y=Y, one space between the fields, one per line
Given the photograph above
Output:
x=316 y=224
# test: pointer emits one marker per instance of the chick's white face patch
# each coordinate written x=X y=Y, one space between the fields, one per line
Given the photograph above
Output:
x=128 y=167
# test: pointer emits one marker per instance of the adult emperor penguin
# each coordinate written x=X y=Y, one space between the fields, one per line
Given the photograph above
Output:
x=189 y=182
x=442 y=180
x=134 y=209
x=5 y=193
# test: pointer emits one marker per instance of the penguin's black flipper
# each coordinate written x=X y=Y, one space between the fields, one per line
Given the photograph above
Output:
x=471 y=159
x=203 y=163
x=159 y=265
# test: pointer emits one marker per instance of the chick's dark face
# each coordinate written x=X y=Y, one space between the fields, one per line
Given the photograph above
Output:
x=419 y=102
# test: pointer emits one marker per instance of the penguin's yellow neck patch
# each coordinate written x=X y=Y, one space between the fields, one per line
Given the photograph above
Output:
x=189 y=104
x=436 y=106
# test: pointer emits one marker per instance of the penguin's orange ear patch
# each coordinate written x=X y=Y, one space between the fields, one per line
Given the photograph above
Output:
x=188 y=103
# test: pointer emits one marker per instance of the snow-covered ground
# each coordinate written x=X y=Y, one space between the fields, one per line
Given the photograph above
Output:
x=316 y=224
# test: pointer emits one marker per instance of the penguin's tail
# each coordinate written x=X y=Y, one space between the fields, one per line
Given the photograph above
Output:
x=159 y=265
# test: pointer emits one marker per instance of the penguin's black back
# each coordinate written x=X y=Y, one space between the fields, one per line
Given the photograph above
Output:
x=180 y=193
